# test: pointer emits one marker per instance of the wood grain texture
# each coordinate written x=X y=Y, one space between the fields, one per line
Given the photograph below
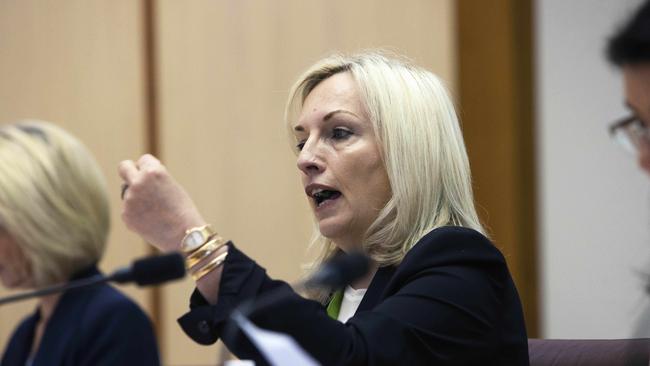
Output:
x=78 y=64
x=496 y=108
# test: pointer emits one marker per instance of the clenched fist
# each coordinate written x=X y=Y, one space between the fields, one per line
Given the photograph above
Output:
x=156 y=207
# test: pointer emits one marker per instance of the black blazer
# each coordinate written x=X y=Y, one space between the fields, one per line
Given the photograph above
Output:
x=450 y=302
x=93 y=326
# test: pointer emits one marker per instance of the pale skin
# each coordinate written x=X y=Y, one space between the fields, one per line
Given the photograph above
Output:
x=158 y=209
x=636 y=79
x=15 y=272
x=337 y=151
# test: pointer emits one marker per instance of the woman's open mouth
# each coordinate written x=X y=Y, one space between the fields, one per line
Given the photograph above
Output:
x=321 y=196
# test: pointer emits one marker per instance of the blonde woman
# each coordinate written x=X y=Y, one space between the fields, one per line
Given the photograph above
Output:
x=383 y=164
x=54 y=220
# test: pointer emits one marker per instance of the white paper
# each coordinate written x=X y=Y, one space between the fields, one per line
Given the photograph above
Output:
x=279 y=349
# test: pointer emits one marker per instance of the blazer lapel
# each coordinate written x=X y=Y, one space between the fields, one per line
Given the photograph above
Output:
x=376 y=289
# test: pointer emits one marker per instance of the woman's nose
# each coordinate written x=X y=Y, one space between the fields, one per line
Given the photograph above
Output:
x=309 y=160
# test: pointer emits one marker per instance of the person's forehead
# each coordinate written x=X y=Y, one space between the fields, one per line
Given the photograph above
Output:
x=637 y=72
x=338 y=88
x=336 y=93
x=637 y=86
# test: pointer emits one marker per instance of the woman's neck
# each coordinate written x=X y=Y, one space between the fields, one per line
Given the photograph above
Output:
x=47 y=306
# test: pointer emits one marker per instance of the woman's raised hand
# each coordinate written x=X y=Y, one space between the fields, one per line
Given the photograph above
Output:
x=155 y=206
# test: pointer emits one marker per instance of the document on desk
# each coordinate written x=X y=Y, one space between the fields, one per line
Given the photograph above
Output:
x=277 y=348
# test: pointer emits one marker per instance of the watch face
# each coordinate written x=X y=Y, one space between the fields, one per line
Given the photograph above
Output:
x=193 y=240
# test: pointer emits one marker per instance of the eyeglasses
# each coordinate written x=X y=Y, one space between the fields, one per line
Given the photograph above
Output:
x=629 y=133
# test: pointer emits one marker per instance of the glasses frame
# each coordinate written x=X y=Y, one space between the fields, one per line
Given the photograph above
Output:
x=621 y=131
x=621 y=123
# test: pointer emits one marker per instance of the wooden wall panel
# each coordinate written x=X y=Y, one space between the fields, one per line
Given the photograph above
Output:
x=78 y=64
x=224 y=71
x=496 y=107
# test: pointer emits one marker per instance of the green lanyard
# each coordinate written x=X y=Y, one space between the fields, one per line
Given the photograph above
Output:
x=334 y=307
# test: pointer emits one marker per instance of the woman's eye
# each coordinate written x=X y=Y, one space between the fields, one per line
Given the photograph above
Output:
x=300 y=145
x=340 y=133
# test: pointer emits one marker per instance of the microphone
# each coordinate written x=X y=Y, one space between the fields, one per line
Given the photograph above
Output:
x=337 y=273
x=334 y=274
x=151 y=270
x=144 y=272
x=340 y=271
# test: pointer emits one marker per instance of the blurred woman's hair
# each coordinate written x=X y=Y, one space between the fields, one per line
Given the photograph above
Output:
x=53 y=200
x=421 y=144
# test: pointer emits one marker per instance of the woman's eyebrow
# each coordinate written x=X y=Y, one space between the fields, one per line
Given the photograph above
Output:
x=332 y=113
x=328 y=116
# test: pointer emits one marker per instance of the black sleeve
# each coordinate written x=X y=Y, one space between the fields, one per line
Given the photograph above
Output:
x=442 y=306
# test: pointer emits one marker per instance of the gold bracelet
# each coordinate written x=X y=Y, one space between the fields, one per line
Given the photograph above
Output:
x=205 y=250
x=215 y=263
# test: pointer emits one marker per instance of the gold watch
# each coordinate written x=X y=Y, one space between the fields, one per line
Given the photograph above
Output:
x=195 y=237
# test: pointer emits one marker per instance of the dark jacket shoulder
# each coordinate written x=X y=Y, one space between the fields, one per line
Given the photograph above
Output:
x=91 y=326
x=451 y=244
x=452 y=247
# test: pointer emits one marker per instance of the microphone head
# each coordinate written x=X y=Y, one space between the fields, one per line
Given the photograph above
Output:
x=340 y=271
x=152 y=270
x=158 y=269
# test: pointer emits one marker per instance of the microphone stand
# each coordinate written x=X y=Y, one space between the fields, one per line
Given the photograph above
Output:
x=90 y=281
x=146 y=271
x=337 y=273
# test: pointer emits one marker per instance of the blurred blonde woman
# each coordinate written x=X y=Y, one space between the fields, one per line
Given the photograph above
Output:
x=384 y=167
x=54 y=222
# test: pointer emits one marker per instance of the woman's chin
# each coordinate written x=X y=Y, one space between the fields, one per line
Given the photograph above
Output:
x=330 y=230
x=341 y=238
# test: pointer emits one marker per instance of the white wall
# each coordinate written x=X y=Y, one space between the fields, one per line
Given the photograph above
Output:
x=595 y=203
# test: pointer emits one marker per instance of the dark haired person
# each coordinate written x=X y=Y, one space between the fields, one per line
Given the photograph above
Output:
x=629 y=49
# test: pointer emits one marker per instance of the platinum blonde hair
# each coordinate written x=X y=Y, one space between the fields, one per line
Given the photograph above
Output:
x=421 y=143
x=53 y=200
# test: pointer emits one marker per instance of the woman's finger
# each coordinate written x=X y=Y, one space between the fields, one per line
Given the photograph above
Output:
x=127 y=171
x=147 y=161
